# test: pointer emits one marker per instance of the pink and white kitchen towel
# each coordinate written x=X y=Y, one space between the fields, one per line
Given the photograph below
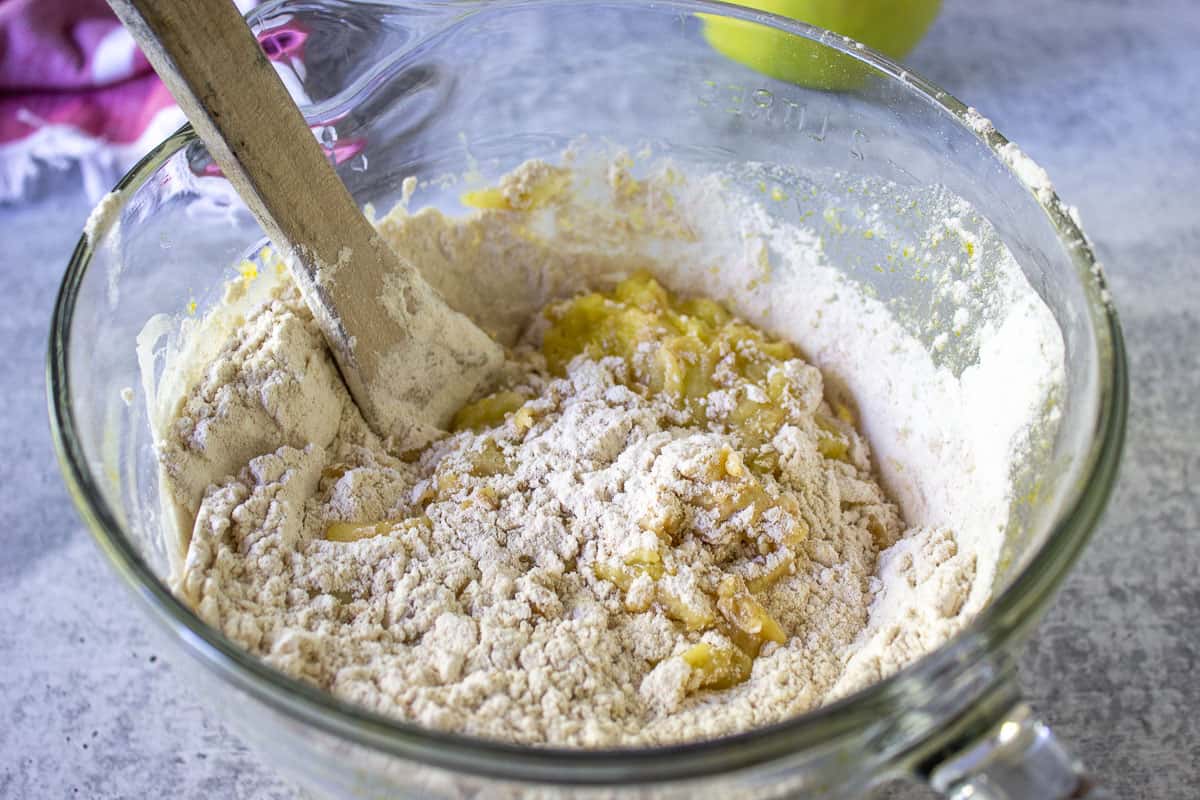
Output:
x=74 y=90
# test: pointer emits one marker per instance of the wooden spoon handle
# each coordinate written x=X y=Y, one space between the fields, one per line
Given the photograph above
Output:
x=212 y=64
x=408 y=359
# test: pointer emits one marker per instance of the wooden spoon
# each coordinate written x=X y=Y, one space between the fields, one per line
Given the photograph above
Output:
x=409 y=360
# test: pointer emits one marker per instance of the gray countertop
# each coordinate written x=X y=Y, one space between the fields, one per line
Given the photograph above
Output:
x=1104 y=93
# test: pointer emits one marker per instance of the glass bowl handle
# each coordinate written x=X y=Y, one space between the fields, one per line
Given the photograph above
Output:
x=1018 y=758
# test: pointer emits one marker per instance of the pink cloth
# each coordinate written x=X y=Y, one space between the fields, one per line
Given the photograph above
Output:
x=52 y=44
x=71 y=62
x=74 y=89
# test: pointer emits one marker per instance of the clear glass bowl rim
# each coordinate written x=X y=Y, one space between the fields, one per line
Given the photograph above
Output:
x=1000 y=623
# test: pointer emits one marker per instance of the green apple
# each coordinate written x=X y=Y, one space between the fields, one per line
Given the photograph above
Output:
x=891 y=26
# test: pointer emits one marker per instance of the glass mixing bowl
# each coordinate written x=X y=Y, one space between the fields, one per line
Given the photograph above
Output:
x=437 y=89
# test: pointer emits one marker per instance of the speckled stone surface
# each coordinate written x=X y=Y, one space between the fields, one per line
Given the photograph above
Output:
x=1103 y=93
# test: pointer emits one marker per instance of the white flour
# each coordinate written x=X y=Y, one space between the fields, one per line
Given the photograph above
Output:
x=477 y=608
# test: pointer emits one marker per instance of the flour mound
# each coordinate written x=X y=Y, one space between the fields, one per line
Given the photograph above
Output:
x=480 y=612
x=461 y=587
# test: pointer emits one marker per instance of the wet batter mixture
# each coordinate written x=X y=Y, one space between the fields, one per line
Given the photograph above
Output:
x=660 y=525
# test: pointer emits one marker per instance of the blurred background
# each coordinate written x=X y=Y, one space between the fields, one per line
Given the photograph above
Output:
x=1104 y=94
